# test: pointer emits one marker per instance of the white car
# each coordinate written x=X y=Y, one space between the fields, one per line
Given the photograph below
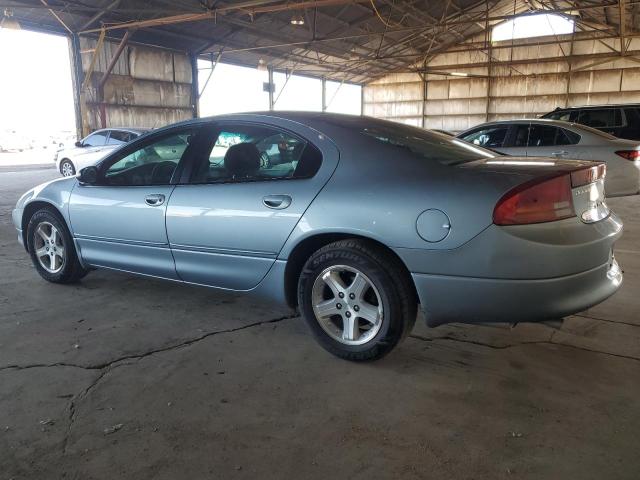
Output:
x=93 y=148
x=553 y=138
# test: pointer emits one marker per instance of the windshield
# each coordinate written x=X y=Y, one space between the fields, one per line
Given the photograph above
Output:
x=427 y=144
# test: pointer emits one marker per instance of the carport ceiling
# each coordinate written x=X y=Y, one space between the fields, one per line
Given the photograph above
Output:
x=355 y=40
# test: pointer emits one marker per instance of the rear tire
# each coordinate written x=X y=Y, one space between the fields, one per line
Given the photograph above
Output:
x=357 y=299
x=52 y=249
x=67 y=169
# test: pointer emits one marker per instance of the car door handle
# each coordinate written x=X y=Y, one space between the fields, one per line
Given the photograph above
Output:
x=561 y=153
x=277 y=202
x=154 y=200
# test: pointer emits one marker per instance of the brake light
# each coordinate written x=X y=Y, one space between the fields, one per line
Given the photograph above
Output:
x=536 y=202
x=588 y=175
x=629 y=154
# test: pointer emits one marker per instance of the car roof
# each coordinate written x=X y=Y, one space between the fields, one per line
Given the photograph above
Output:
x=542 y=121
x=611 y=105
x=124 y=129
x=314 y=120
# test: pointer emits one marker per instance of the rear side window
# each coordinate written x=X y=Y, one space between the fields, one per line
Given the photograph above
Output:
x=562 y=116
x=244 y=153
x=536 y=135
x=633 y=116
x=489 y=137
x=567 y=137
x=118 y=137
x=542 y=136
x=600 y=117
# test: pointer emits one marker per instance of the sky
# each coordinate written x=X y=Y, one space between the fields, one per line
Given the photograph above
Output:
x=239 y=89
x=35 y=83
x=528 y=26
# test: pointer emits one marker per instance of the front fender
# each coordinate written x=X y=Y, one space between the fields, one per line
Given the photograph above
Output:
x=55 y=193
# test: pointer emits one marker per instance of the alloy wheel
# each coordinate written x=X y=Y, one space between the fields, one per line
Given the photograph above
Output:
x=347 y=305
x=67 y=169
x=49 y=247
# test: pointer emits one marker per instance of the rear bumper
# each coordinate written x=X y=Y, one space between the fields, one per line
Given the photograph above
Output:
x=447 y=299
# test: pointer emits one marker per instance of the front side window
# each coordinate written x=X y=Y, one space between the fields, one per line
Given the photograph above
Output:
x=152 y=164
x=491 y=137
x=243 y=153
x=600 y=118
x=97 y=139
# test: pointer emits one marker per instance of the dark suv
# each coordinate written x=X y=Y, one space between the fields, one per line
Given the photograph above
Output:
x=622 y=121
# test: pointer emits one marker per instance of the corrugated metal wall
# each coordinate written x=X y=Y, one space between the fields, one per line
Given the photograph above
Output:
x=523 y=79
x=148 y=87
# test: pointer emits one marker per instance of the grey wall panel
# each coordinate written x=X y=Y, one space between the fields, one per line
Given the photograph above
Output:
x=522 y=80
x=148 y=87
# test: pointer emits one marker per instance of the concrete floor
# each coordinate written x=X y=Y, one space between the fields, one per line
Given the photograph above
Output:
x=130 y=378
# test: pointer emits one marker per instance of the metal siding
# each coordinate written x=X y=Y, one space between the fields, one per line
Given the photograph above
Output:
x=521 y=87
x=148 y=87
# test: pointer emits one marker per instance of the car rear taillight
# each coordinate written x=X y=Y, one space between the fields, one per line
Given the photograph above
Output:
x=536 y=202
x=629 y=154
x=585 y=176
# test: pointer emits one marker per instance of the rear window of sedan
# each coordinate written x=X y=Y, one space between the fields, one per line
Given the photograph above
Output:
x=426 y=144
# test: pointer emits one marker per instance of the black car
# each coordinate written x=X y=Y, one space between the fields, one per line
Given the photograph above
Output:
x=622 y=121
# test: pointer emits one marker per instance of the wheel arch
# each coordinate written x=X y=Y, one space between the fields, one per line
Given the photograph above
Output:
x=30 y=209
x=307 y=246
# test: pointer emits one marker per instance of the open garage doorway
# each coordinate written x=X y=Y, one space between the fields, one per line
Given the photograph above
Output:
x=36 y=97
x=232 y=89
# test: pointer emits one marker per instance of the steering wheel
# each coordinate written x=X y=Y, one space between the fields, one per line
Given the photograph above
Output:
x=265 y=161
x=162 y=170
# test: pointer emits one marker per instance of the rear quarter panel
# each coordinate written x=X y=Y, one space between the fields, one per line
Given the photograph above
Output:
x=379 y=191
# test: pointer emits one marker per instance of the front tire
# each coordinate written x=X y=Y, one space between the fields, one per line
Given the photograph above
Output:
x=357 y=299
x=52 y=249
x=67 y=169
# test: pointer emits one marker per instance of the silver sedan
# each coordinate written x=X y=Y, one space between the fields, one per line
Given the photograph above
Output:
x=553 y=138
x=354 y=221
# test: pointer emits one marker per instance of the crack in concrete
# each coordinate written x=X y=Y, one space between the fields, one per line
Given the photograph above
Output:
x=76 y=399
x=107 y=367
x=112 y=365
x=549 y=341
x=138 y=356
x=581 y=315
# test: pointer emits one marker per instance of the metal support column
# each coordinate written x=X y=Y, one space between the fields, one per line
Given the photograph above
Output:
x=76 y=81
x=195 y=89
x=324 y=94
x=423 y=77
x=271 y=89
x=488 y=43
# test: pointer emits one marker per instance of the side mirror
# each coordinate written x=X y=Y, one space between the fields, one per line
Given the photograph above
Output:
x=78 y=144
x=88 y=175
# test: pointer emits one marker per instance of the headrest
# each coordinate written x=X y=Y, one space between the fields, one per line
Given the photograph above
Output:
x=242 y=159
